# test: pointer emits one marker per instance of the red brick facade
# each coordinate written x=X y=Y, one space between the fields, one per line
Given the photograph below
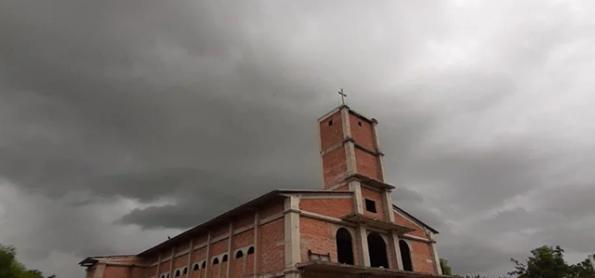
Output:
x=296 y=233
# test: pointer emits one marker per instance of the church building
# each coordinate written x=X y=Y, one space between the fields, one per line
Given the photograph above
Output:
x=349 y=228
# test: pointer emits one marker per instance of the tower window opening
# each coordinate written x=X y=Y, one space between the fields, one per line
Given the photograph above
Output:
x=344 y=247
x=178 y=273
x=224 y=258
x=250 y=250
x=359 y=123
x=239 y=254
x=330 y=123
x=185 y=270
x=216 y=261
x=195 y=267
x=370 y=206
x=204 y=264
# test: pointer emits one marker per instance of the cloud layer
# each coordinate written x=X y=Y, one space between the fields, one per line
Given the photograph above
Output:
x=124 y=122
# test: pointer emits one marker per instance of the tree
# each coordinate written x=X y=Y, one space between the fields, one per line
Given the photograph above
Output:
x=583 y=269
x=548 y=262
x=446 y=269
x=11 y=268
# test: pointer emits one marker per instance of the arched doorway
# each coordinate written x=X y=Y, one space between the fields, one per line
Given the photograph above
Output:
x=405 y=255
x=344 y=247
x=377 y=250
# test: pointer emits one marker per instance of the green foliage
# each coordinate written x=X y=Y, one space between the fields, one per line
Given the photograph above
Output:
x=548 y=262
x=11 y=268
x=446 y=269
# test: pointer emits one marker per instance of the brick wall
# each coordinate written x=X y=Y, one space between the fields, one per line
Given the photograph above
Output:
x=362 y=132
x=317 y=236
x=271 y=249
x=377 y=197
x=331 y=134
x=367 y=164
x=330 y=207
x=334 y=166
x=422 y=256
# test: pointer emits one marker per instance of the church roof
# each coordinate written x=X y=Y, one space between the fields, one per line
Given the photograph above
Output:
x=251 y=206
x=246 y=207
x=415 y=219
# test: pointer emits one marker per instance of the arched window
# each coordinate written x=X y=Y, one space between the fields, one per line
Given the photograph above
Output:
x=216 y=261
x=204 y=264
x=239 y=254
x=224 y=258
x=405 y=255
x=195 y=267
x=185 y=270
x=178 y=273
x=250 y=250
x=377 y=250
x=344 y=247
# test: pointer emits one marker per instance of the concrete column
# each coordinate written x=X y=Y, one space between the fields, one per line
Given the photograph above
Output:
x=345 y=123
x=388 y=207
x=158 y=264
x=435 y=253
x=292 y=232
x=189 y=264
x=363 y=235
x=100 y=268
x=256 y=249
x=395 y=239
x=229 y=257
x=380 y=158
x=208 y=257
x=356 y=187
x=171 y=261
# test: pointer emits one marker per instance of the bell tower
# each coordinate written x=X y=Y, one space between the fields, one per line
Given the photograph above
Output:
x=349 y=147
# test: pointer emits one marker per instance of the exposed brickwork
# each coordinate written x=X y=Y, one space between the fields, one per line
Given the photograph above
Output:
x=331 y=134
x=367 y=164
x=401 y=220
x=422 y=257
x=362 y=132
x=330 y=207
x=334 y=165
x=317 y=236
x=271 y=209
x=271 y=249
x=377 y=197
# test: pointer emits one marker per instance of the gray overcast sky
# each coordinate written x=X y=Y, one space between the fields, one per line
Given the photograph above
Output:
x=122 y=122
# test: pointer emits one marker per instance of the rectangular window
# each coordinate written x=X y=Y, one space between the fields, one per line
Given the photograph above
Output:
x=370 y=206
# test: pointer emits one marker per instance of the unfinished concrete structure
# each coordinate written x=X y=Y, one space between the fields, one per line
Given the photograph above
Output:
x=350 y=228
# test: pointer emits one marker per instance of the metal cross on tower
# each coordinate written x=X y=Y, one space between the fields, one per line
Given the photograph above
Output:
x=343 y=96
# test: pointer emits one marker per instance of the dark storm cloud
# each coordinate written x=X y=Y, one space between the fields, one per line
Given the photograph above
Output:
x=151 y=116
